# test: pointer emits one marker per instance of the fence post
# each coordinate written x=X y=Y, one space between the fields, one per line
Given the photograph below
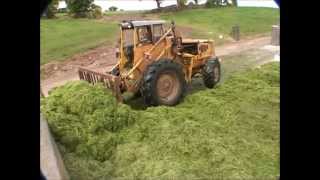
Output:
x=235 y=33
x=275 y=35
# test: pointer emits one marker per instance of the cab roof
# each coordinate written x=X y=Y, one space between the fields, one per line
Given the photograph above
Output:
x=186 y=40
x=130 y=24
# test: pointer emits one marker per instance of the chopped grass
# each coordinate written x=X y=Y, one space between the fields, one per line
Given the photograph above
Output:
x=231 y=131
x=62 y=38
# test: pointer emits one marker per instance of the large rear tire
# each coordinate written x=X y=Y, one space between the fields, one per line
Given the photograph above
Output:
x=211 y=73
x=163 y=83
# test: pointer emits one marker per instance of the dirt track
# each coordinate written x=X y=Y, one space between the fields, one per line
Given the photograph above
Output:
x=103 y=58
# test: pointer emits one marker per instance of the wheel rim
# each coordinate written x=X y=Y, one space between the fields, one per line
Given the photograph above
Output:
x=216 y=74
x=168 y=86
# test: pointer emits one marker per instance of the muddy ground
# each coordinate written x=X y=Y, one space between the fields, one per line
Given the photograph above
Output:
x=103 y=58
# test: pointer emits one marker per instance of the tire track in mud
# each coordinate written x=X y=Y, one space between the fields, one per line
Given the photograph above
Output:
x=103 y=59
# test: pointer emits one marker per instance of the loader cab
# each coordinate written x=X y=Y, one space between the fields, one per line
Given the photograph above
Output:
x=137 y=37
x=149 y=34
x=126 y=45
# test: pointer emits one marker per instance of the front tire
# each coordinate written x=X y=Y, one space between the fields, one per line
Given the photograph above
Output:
x=211 y=73
x=115 y=71
x=163 y=83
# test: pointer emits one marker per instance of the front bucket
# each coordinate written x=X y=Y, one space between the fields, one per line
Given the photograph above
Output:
x=110 y=81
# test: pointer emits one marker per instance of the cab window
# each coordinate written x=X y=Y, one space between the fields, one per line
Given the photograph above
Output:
x=157 y=32
x=144 y=35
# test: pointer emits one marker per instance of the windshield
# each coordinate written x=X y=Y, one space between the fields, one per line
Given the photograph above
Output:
x=144 y=34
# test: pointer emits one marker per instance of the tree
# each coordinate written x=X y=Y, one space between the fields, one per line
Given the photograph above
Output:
x=52 y=9
x=235 y=2
x=196 y=1
x=181 y=3
x=158 y=3
x=79 y=8
x=113 y=8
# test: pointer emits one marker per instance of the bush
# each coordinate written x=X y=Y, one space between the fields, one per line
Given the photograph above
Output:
x=181 y=3
x=191 y=5
x=52 y=9
x=113 y=8
x=234 y=2
x=79 y=8
x=171 y=8
x=216 y=3
x=62 y=10
x=95 y=11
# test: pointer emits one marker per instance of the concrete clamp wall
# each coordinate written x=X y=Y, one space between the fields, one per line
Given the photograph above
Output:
x=275 y=35
x=51 y=162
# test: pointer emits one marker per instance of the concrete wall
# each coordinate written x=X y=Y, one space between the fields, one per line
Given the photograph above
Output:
x=51 y=163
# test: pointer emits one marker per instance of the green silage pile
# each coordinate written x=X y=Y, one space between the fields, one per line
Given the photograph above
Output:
x=231 y=131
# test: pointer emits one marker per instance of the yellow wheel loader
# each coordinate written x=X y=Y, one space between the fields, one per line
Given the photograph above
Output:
x=157 y=63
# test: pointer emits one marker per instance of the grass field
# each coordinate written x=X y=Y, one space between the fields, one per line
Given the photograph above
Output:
x=210 y=23
x=229 y=132
x=61 y=38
